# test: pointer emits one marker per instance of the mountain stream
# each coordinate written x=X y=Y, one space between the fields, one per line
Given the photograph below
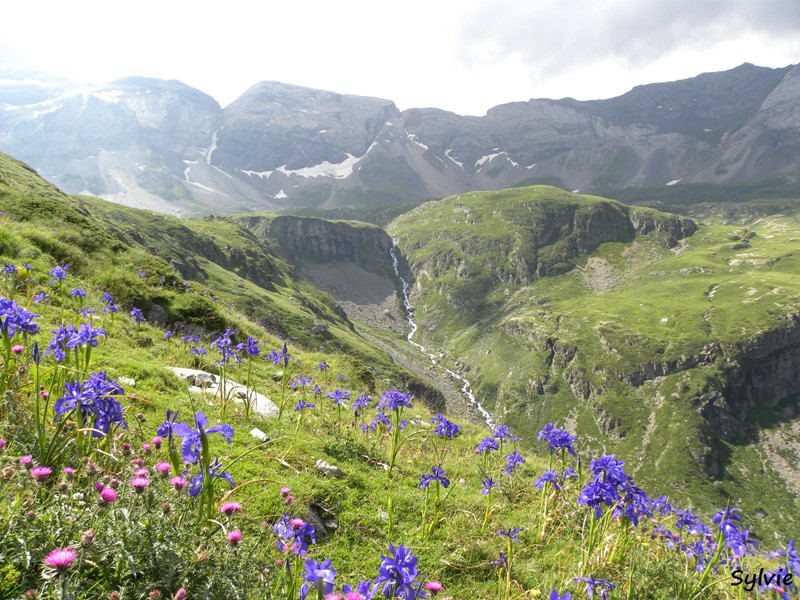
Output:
x=466 y=388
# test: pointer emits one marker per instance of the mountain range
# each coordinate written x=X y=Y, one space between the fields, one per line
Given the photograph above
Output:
x=166 y=146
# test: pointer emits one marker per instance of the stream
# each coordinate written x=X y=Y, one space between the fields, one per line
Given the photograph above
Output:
x=466 y=388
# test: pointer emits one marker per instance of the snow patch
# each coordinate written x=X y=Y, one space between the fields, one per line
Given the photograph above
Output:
x=110 y=96
x=210 y=150
x=673 y=182
x=281 y=195
x=340 y=170
x=261 y=174
x=414 y=139
x=448 y=155
x=487 y=158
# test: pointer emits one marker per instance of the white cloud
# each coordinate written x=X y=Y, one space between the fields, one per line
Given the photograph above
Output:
x=464 y=56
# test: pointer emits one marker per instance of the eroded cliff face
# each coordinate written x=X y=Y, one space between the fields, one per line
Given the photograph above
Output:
x=299 y=239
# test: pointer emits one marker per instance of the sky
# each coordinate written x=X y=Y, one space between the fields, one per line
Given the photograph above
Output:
x=464 y=56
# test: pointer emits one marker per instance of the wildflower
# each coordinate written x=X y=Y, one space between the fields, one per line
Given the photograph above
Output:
x=163 y=468
x=182 y=594
x=444 y=427
x=137 y=315
x=88 y=537
x=78 y=293
x=157 y=441
x=592 y=583
x=178 y=483
x=147 y=448
x=17 y=349
x=139 y=483
x=502 y=432
x=554 y=595
x=41 y=473
x=363 y=401
x=40 y=297
x=285 y=491
x=215 y=470
x=323 y=366
x=338 y=396
x=166 y=428
x=434 y=587
x=303 y=405
x=296 y=531
x=596 y=493
x=486 y=445
x=511 y=533
x=282 y=357
x=549 y=476
x=190 y=448
x=318 y=576
x=397 y=573
x=58 y=273
x=513 y=459
x=25 y=460
x=300 y=382
x=557 y=438
x=439 y=475
x=488 y=484
x=61 y=558
x=108 y=495
x=234 y=537
x=69 y=471
x=14 y=318
x=394 y=400
x=230 y=507
x=608 y=468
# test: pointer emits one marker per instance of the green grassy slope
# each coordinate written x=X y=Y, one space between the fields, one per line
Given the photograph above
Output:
x=614 y=341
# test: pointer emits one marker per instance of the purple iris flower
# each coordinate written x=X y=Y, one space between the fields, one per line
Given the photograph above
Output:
x=215 y=470
x=398 y=573
x=363 y=401
x=511 y=533
x=592 y=583
x=608 y=468
x=488 y=484
x=444 y=427
x=191 y=446
x=513 y=459
x=439 y=475
x=554 y=595
x=502 y=432
x=14 y=318
x=166 y=429
x=486 y=445
x=338 y=396
x=320 y=576
x=58 y=273
x=85 y=336
x=557 y=438
x=549 y=476
x=137 y=315
x=394 y=400
x=596 y=493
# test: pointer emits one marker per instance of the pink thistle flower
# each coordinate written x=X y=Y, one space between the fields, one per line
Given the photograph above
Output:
x=163 y=468
x=181 y=594
x=18 y=349
x=61 y=558
x=234 y=537
x=230 y=507
x=147 y=448
x=142 y=472
x=25 y=460
x=353 y=596
x=41 y=473
x=138 y=462
x=98 y=486
x=126 y=448
x=139 y=483
x=285 y=491
x=108 y=495
x=178 y=483
x=155 y=594
x=434 y=587
x=2 y=443
x=289 y=499
x=334 y=596
x=114 y=483
x=44 y=395
x=297 y=522
x=157 y=441
x=69 y=471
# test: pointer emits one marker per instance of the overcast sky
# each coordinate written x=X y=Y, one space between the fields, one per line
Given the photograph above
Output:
x=464 y=55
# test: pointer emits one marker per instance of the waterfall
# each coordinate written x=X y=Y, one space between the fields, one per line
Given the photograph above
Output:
x=467 y=388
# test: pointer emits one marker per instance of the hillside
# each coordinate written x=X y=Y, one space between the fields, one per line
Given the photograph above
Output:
x=674 y=342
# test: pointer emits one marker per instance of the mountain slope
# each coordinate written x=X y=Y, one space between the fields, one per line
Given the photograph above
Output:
x=673 y=342
x=166 y=146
